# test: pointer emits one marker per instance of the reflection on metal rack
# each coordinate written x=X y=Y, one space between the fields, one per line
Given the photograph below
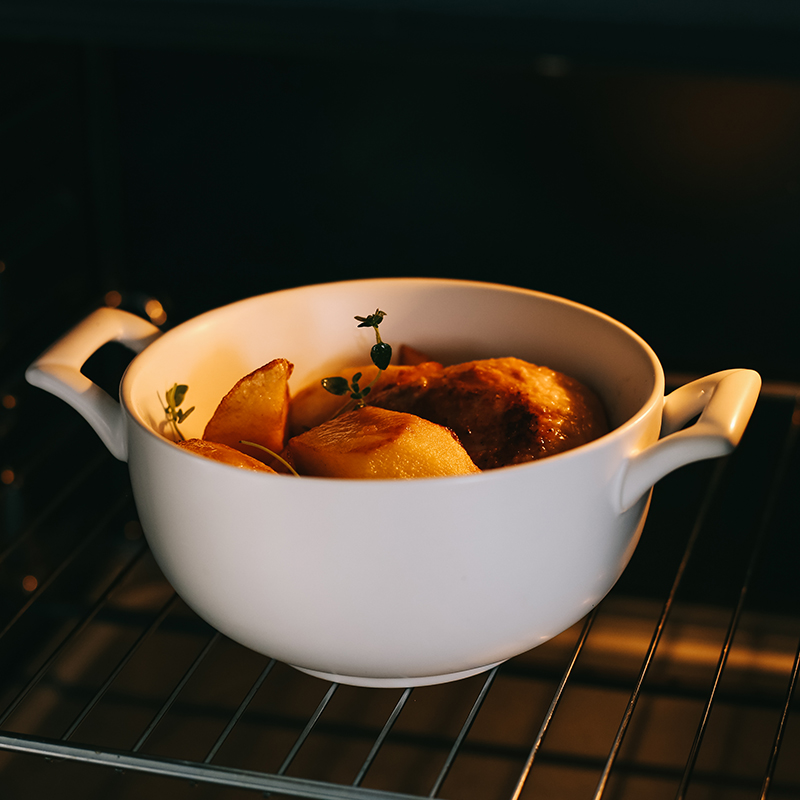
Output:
x=680 y=684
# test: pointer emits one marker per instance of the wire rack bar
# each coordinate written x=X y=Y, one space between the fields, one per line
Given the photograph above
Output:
x=239 y=711
x=462 y=734
x=781 y=729
x=551 y=710
x=143 y=637
x=392 y=718
x=193 y=771
x=175 y=692
x=305 y=733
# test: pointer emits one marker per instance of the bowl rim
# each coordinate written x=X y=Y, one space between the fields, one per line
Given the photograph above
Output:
x=655 y=396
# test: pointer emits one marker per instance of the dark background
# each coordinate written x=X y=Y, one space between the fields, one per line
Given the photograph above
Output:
x=643 y=161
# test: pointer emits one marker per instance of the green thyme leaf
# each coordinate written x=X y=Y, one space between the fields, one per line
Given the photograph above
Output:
x=381 y=355
x=181 y=415
x=175 y=396
x=179 y=393
x=336 y=385
x=373 y=320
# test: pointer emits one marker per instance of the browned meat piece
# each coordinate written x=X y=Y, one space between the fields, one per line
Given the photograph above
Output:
x=504 y=410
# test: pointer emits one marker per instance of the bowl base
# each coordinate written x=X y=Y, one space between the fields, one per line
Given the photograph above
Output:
x=395 y=683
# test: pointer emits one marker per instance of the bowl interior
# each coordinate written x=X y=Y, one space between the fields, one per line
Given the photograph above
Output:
x=452 y=321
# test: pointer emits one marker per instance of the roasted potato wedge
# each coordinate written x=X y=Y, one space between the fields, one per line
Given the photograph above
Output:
x=256 y=409
x=377 y=443
x=227 y=455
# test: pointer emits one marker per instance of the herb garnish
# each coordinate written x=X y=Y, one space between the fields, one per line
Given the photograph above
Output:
x=381 y=355
x=175 y=415
x=273 y=454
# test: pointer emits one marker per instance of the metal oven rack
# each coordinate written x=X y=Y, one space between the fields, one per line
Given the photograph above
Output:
x=680 y=684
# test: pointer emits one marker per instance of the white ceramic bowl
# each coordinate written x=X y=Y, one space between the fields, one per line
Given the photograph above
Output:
x=389 y=583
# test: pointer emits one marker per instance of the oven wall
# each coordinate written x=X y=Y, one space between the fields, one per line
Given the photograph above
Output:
x=664 y=193
x=668 y=200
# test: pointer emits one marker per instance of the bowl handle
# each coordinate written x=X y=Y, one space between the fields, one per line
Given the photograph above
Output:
x=58 y=370
x=724 y=401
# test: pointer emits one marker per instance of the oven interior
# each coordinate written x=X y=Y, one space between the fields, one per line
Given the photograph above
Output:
x=168 y=160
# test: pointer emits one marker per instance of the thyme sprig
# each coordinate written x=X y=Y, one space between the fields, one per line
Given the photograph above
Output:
x=381 y=355
x=274 y=455
x=175 y=415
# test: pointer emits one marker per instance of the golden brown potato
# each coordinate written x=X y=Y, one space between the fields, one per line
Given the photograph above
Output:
x=256 y=410
x=313 y=404
x=225 y=454
x=503 y=410
x=377 y=443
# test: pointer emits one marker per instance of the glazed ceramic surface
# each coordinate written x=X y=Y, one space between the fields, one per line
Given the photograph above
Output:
x=389 y=583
